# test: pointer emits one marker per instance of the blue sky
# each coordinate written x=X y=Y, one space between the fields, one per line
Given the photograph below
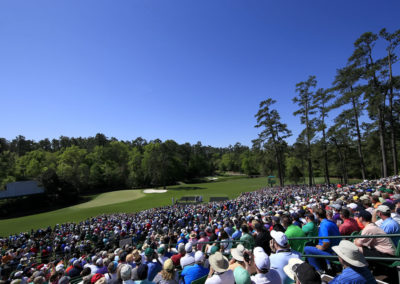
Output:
x=184 y=70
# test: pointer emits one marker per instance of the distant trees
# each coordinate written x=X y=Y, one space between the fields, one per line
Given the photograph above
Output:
x=101 y=163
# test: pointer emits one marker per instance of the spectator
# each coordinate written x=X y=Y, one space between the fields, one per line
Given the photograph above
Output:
x=219 y=272
x=176 y=259
x=302 y=272
x=388 y=225
x=203 y=238
x=196 y=271
x=246 y=238
x=355 y=268
x=349 y=224
x=154 y=266
x=111 y=275
x=167 y=275
x=281 y=254
x=310 y=229
x=324 y=246
x=142 y=272
x=263 y=272
x=188 y=258
x=293 y=231
x=242 y=276
x=262 y=238
x=126 y=274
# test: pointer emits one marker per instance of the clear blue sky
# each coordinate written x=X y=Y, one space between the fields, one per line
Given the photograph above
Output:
x=184 y=70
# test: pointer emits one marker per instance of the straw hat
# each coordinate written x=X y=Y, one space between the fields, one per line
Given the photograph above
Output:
x=350 y=253
x=289 y=267
x=219 y=262
x=237 y=253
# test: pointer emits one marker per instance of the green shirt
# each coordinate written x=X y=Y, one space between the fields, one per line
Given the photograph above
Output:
x=310 y=229
x=248 y=241
x=294 y=231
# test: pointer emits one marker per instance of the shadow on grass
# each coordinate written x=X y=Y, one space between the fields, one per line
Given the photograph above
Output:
x=187 y=188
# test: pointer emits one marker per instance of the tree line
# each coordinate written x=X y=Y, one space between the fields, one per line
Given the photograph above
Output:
x=362 y=140
x=96 y=163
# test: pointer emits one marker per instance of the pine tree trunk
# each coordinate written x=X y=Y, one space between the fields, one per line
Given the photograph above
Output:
x=327 y=181
x=382 y=141
x=360 y=153
x=391 y=118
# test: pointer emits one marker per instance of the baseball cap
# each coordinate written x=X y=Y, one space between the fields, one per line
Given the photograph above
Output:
x=383 y=208
x=280 y=238
x=261 y=259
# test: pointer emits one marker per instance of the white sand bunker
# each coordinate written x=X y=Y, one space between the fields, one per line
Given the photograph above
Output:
x=212 y=178
x=155 y=191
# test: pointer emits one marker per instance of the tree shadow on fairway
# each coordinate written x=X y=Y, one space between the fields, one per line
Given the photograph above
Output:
x=187 y=188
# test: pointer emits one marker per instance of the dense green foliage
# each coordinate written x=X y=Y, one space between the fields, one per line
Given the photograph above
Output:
x=362 y=141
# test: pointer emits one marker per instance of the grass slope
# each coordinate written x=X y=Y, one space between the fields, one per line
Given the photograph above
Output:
x=129 y=201
x=133 y=201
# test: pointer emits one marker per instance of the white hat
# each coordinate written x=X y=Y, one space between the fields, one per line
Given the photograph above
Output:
x=280 y=238
x=383 y=208
x=126 y=272
x=352 y=206
x=261 y=259
x=60 y=267
x=289 y=267
x=99 y=262
x=199 y=256
x=237 y=253
x=350 y=253
x=189 y=247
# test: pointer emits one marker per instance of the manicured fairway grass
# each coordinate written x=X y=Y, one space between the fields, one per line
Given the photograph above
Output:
x=131 y=201
x=112 y=202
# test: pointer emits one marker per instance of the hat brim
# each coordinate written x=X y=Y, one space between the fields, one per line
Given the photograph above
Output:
x=236 y=255
x=288 y=268
x=215 y=265
x=353 y=262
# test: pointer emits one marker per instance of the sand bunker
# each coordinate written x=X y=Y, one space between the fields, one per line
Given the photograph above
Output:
x=155 y=190
x=212 y=178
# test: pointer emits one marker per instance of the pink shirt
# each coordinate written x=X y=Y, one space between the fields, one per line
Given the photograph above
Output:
x=384 y=245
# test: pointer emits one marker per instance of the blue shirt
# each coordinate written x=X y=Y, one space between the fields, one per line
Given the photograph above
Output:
x=280 y=259
x=236 y=235
x=390 y=226
x=328 y=228
x=154 y=268
x=193 y=272
x=354 y=275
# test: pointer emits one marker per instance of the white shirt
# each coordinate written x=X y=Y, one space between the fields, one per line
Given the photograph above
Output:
x=272 y=277
x=186 y=260
x=224 y=278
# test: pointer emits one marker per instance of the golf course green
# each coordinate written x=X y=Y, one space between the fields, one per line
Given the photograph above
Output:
x=134 y=200
x=125 y=201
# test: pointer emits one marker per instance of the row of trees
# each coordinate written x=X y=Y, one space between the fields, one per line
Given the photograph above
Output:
x=96 y=163
x=367 y=94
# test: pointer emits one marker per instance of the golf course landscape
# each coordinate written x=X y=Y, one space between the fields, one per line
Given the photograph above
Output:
x=134 y=200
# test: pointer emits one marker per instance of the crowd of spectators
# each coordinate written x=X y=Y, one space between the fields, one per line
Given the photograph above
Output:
x=245 y=240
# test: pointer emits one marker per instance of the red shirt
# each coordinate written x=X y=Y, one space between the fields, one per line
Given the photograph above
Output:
x=349 y=226
x=176 y=259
